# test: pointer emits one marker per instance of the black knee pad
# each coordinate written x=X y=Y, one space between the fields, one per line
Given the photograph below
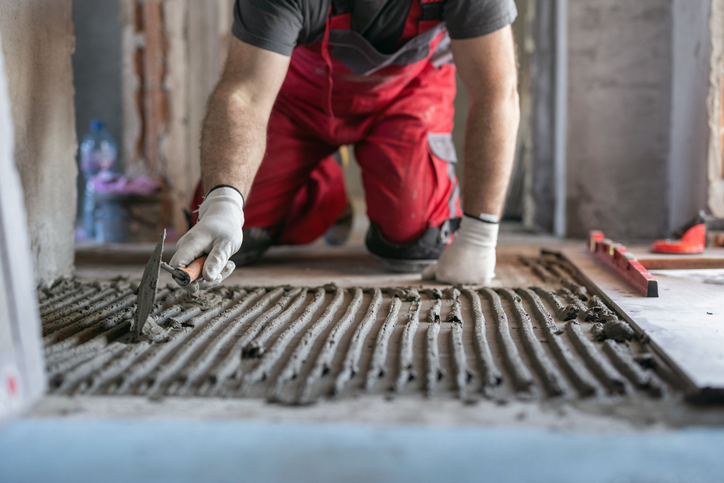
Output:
x=413 y=257
x=256 y=241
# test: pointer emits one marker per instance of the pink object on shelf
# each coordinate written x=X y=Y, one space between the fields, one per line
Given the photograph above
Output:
x=109 y=183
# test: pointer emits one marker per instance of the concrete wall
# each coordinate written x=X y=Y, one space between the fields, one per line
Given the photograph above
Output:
x=619 y=117
x=540 y=180
x=689 y=120
x=37 y=46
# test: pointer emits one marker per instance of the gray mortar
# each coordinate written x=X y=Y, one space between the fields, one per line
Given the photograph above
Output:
x=615 y=329
x=94 y=344
x=304 y=346
x=628 y=366
x=189 y=312
x=196 y=369
x=255 y=347
x=125 y=358
x=299 y=295
x=84 y=370
x=323 y=364
x=378 y=365
x=586 y=385
x=79 y=305
x=350 y=366
x=204 y=350
x=230 y=359
x=463 y=375
x=70 y=298
x=522 y=377
x=155 y=354
x=90 y=309
x=491 y=375
x=126 y=380
x=89 y=333
x=271 y=356
x=164 y=372
x=90 y=320
x=405 y=371
x=549 y=373
x=612 y=379
x=563 y=312
x=433 y=369
x=539 y=270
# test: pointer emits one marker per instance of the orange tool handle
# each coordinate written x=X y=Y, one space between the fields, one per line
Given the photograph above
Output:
x=194 y=268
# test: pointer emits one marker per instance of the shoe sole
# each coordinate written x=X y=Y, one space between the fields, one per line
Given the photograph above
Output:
x=404 y=266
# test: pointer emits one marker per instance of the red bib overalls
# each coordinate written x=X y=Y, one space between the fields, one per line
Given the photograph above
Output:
x=397 y=110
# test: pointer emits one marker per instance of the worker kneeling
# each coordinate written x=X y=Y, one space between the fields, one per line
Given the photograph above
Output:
x=306 y=77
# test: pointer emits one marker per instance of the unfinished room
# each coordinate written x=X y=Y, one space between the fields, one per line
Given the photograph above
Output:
x=530 y=290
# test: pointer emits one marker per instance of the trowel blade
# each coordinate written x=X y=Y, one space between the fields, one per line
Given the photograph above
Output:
x=148 y=285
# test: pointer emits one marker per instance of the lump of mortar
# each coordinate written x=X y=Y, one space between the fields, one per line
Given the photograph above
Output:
x=570 y=312
x=398 y=292
x=646 y=360
x=207 y=301
x=433 y=293
x=228 y=292
x=595 y=314
x=597 y=331
x=578 y=290
x=154 y=332
x=413 y=296
x=452 y=292
x=612 y=328
x=330 y=287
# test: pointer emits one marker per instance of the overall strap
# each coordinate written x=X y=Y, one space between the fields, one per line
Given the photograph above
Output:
x=431 y=15
x=341 y=14
x=424 y=15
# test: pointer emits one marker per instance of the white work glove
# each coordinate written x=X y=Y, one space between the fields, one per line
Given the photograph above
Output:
x=470 y=258
x=218 y=233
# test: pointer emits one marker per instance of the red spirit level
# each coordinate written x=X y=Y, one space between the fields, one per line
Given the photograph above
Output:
x=618 y=259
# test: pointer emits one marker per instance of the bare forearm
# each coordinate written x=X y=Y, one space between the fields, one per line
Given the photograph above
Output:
x=233 y=141
x=490 y=141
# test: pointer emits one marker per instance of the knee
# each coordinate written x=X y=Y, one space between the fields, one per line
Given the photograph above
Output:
x=414 y=256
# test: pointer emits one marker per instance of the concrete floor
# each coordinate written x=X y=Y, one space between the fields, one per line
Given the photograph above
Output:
x=367 y=438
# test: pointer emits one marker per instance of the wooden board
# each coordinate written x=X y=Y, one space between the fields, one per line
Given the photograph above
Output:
x=685 y=324
x=711 y=258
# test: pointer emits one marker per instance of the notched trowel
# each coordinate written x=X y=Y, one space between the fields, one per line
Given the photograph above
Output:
x=147 y=296
x=149 y=283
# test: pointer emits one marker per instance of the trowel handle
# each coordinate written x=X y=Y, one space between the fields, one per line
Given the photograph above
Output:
x=194 y=268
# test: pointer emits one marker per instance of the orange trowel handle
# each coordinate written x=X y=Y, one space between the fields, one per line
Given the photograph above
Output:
x=194 y=268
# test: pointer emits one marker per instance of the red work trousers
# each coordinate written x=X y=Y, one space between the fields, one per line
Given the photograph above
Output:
x=404 y=150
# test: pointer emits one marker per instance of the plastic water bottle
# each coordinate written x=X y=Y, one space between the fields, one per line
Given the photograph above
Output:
x=98 y=153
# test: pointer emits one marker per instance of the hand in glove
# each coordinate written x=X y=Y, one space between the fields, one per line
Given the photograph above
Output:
x=470 y=258
x=218 y=234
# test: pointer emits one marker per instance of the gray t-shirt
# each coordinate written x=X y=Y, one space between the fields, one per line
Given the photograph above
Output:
x=282 y=25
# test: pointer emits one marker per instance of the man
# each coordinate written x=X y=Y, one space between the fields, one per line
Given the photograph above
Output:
x=304 y=77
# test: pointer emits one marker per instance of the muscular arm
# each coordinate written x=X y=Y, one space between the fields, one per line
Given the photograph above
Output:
x=233 y=142
x=488 y=70
x=487 y=67
x=233 y=139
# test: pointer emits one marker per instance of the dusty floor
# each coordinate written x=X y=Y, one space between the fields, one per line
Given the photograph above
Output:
x=351 y=266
